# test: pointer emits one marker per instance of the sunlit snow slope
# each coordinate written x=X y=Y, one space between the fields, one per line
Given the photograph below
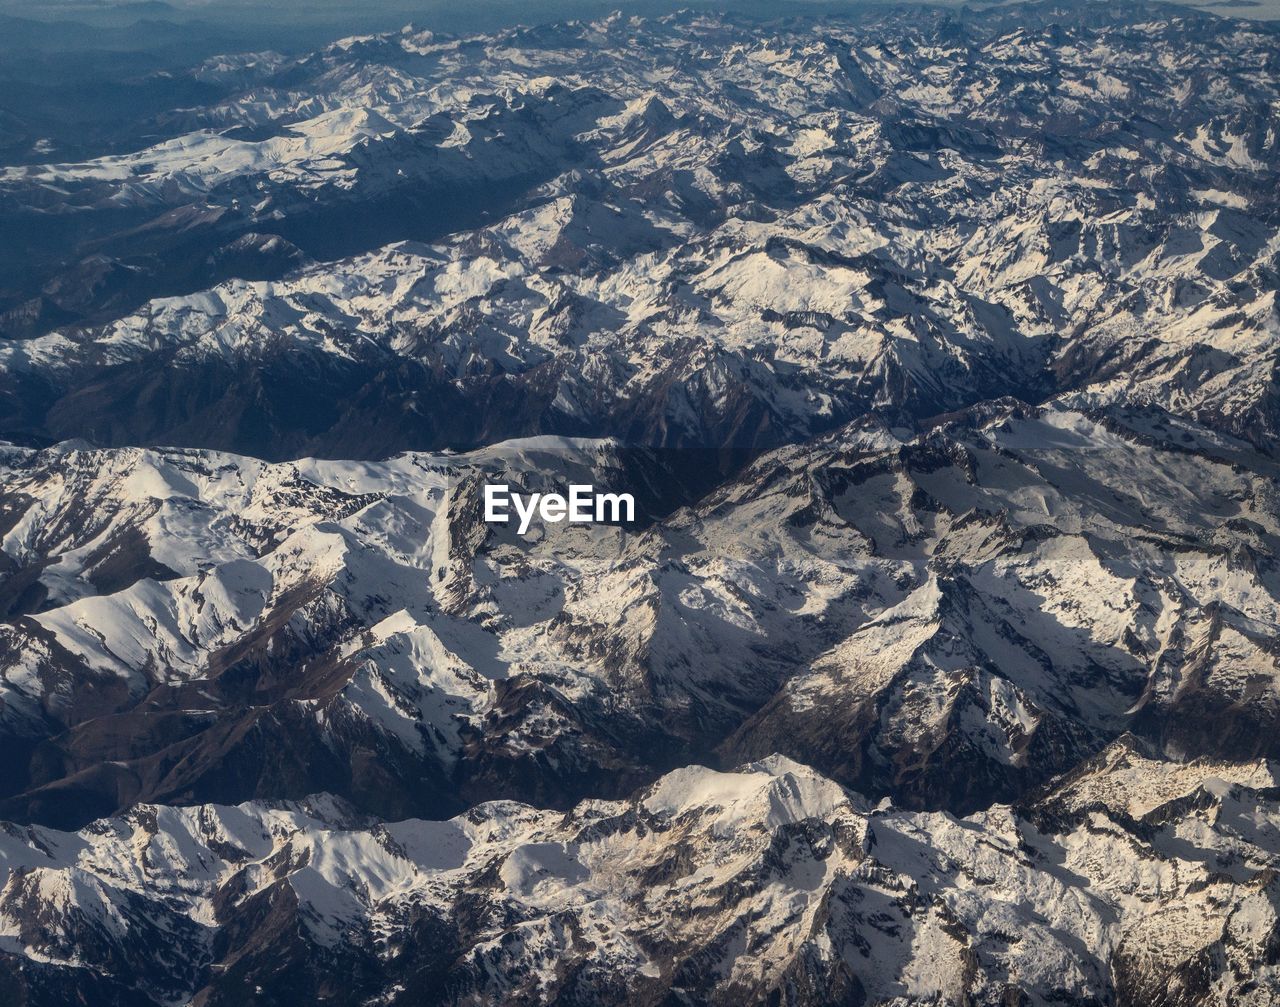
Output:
x=939 y=665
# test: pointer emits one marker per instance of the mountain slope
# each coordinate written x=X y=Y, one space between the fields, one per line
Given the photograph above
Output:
x=768 y=883
x=695 y=232
x=1006 y=594
x=938 y=664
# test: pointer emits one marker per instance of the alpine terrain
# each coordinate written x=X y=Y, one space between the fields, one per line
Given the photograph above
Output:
x=939 y=663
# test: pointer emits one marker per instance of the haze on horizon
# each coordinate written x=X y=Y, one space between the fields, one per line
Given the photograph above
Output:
x=479 y=15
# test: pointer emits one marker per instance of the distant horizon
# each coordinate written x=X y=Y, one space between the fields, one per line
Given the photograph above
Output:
x=495 y=13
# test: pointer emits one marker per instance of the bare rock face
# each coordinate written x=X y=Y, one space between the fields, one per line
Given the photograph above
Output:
x=939 y=664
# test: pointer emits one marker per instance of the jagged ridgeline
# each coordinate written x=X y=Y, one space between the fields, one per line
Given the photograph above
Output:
x=939 y=665
x=681 y=232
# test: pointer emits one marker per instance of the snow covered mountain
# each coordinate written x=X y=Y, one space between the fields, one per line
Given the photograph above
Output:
x=1134 y=881
x=1006 y=594
x=939 y=665
x=684 y=231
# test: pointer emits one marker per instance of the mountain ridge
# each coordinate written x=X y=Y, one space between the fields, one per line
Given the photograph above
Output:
x=938 y=349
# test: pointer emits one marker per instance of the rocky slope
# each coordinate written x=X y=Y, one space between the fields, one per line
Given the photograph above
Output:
x=939 y=664
x=1134 y=881
x=974 y=610
x=680 y=231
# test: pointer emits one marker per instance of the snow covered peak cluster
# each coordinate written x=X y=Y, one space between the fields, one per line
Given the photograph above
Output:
x=768 y=883
x=684 y=231
x=938 y=350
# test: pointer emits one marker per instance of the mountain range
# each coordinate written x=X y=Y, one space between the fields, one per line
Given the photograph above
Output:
x=939 y=664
